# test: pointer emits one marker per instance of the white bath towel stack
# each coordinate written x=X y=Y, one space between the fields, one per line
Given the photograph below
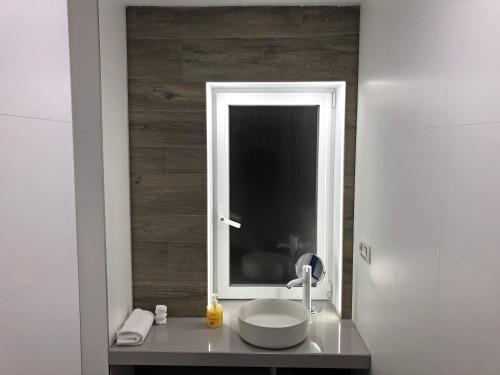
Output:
x=135 y=328
x=161 y=314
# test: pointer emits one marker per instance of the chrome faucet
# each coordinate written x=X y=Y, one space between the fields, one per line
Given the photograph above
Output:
x=310 y=270
x=305 y=280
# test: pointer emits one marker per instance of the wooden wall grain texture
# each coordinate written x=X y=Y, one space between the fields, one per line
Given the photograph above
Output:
x=172 y=52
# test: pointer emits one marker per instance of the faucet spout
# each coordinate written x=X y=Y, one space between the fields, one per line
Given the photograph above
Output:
x=295 y=282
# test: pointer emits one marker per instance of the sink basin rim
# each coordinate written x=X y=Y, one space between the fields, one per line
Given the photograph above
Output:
x=272 y=300
x=267 y=336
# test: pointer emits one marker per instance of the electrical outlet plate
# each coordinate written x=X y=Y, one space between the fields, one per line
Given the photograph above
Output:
x=365 y=250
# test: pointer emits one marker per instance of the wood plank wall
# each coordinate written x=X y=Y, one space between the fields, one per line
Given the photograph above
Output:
x=172 y=52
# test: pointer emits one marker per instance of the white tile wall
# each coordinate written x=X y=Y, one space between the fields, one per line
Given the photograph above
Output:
x=400 y=216
x=34 y=68
x=471 y=199
x=473 y=79
x=427 y=186
x=469 y=310
x=37 y=231
x=39 y=299
x=39 y=326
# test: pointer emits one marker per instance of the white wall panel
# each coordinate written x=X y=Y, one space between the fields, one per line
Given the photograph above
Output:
x=472 y=33
x=427 y=186
x=37 y=219
x=469 y=312
x=34 y=68
x=40 y=326
x=39 y=297
x=471 y=200
x=400 y=210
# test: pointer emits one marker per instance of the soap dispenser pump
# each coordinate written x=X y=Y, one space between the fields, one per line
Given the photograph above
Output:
x=214 y=313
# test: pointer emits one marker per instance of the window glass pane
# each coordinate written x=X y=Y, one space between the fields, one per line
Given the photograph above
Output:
x=273 y=168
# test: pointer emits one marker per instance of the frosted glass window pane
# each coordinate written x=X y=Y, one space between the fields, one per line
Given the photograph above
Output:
x=273 y=182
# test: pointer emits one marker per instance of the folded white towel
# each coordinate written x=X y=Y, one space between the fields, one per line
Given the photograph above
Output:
x=161 y=309
x=135 y=328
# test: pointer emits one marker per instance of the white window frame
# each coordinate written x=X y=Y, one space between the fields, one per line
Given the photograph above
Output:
x=326 y=95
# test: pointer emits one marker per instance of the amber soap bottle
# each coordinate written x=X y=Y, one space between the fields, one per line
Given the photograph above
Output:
x=214 y=313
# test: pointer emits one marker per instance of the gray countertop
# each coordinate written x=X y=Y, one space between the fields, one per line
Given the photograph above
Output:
x=332 y=343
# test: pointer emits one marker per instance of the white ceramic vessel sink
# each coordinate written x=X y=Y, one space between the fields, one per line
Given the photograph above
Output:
x=273 y=323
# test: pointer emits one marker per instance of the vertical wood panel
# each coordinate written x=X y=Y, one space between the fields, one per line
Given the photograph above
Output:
x=172 y=52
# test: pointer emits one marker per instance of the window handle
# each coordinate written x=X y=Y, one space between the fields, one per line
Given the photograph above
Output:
x=230 y=222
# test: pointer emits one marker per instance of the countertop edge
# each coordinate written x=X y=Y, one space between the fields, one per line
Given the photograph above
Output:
x=316 y=360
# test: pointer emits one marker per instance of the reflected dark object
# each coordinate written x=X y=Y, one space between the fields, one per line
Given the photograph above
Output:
x=273 y=182
x=264 y=265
